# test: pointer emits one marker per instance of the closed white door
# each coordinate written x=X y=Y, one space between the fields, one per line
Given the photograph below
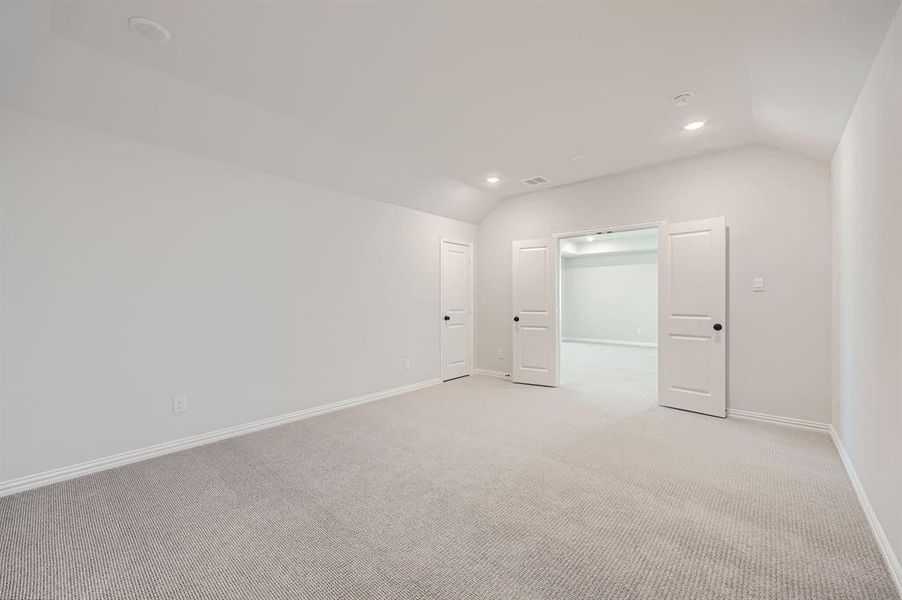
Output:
x=457 y=313
x=692 y=296
x=534 y=312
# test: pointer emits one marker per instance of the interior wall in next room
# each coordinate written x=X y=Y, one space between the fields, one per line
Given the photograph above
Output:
x=610 y=297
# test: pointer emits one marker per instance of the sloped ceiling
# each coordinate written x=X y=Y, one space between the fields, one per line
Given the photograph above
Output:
x=416 y=103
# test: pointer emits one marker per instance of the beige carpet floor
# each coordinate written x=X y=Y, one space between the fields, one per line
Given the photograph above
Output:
x=476 y=489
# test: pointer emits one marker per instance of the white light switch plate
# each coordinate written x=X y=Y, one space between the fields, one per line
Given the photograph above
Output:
x=757 y=284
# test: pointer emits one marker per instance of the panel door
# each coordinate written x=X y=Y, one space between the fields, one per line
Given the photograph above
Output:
x=692 y=296
x=457 y=313
x=534 y=312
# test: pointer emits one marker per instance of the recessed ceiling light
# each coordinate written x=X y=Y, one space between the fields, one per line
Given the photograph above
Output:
x=492 y=179
x=694 y=125
x=149 y=29
x=590 y=238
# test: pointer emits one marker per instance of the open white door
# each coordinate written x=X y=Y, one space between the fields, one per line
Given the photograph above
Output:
x=534 y=318
x=692 y=296
x=457 y=313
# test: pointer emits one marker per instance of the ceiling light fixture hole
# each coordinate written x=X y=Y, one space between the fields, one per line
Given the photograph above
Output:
x=682 y=99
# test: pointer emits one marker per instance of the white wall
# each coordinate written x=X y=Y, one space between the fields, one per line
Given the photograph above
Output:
x=610 y=297
x=777 y=208
x=867 y=197
x=132 y=274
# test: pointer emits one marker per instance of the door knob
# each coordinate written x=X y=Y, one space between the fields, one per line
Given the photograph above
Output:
x=516 y=319
x=718 y=327
x=447 y=318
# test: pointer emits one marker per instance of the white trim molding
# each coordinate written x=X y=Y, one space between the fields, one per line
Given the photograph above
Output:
x=21 y=484
x=610 y=229
x=801 y=423
x=886 y=550
x=615 y=342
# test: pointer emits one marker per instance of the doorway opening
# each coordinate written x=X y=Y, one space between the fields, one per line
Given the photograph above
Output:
x=609 y=314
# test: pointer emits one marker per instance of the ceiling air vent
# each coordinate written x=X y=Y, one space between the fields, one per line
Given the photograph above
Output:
x=537 y=180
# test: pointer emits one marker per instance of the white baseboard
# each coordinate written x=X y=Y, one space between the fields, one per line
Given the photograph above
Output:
x=615 y=342
x=492 y=373
x=802 y=423
x=892 y=562
x=14 y=486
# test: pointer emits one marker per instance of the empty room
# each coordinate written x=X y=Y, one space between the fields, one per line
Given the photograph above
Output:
x=450 y=300
x=609 y=313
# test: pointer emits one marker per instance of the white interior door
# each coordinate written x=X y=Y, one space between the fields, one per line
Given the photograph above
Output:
x=457 y=313
x=692 y=296
x=534 y=319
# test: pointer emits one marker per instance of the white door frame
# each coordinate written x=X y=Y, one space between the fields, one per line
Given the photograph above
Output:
x=557 y=280
x=471 y=282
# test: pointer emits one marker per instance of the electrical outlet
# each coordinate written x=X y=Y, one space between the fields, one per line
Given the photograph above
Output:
x=406 y=363
x=180 y=404
x=500 y=353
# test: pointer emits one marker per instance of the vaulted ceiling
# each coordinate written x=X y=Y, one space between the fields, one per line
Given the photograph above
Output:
x=417 y=103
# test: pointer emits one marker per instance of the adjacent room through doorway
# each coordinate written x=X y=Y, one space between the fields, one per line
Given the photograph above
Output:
x=609 y=314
